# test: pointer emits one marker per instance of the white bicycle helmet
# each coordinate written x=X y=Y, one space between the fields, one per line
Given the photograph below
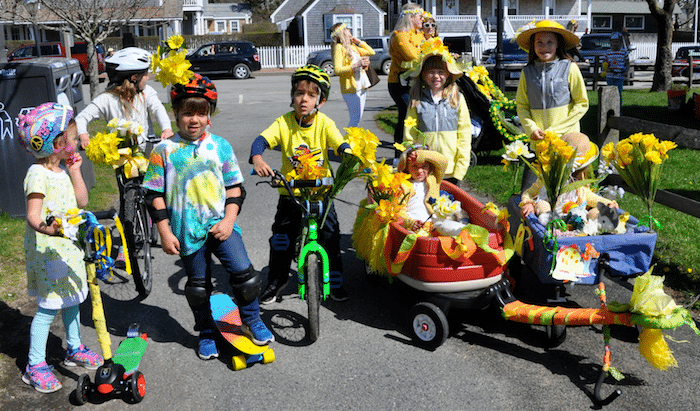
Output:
x=126 y=62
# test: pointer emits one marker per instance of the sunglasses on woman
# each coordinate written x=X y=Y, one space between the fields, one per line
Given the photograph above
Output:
x=429 y=25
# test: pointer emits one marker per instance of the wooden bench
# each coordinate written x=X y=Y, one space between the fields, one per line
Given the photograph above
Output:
x=613 y=127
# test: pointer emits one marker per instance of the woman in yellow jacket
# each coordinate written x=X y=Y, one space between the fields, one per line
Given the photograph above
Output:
x=404 y=46
x=351 y=59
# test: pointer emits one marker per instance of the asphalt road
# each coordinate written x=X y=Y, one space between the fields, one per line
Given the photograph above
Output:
x=364 y=358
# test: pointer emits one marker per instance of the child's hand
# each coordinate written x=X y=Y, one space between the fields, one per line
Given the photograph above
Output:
x=169 y=243
x=223 y=229
x=84 y=140
x=613 y=205
x=74 y=162
x=417 y=225
x=527 y=209
x=537 y=135
x=50 y=229
x=167 y=133
x=261 y=167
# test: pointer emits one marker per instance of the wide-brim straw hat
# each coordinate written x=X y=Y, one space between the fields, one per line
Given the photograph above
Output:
x=430 y=48
x=571 y=40
x=437 y=160
x=586 y=152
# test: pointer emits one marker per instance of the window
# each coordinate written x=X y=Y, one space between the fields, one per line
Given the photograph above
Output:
x=234 y=26
x=220 y=26
x=634 y=22
x=353 y=21
x=602 y=22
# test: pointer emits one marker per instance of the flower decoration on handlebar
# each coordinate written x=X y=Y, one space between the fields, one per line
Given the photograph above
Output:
x=119 y=148
x=639 y=160
x=174 y=68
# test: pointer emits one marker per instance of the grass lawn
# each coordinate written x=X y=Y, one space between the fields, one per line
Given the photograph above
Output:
x=677 y=254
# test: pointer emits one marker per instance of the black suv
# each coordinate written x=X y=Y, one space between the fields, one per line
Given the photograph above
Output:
x=237 y=58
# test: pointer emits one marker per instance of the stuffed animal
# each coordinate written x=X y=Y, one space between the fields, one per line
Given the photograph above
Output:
x=608 y=218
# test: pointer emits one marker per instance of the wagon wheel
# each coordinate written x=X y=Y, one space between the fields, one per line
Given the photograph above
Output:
x=428 y=325
x=556 y=334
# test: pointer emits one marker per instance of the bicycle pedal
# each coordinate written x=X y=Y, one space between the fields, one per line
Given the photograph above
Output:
x=133 y=331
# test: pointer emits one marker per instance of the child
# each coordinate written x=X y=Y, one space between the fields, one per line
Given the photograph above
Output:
x=127 y=97
x=439 y=109
x=617 y=62
x=551 y=92
x=304 y=130
x=195 y=191
x=55 y=268
x=534 y=199
x=351 y=59
x=426 y=169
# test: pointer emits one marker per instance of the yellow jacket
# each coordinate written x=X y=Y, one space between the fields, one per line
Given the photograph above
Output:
x=404 y=46
x=561 y=119
x=342 y=61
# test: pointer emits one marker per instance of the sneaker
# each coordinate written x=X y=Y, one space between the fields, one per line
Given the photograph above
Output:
x=258 y=332
x=339 y=294
x=120 y=261
x=84 y=357
x=272 y=292
x=41 y=377
x=207 y=346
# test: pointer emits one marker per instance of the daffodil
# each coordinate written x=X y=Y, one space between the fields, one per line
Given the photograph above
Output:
x=175 y=42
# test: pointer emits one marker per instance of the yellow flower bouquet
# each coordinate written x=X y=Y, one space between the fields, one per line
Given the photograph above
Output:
x=639 y=160
x=174 y=68
x=119 y=148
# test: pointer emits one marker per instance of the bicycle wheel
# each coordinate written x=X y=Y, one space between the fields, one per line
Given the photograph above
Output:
x=313 y=294
x=138 y=232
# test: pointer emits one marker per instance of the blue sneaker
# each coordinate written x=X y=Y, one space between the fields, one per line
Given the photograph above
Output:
x=258 y=332
x=207 y=346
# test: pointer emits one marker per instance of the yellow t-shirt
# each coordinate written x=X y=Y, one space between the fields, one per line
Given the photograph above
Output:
x=295 y=140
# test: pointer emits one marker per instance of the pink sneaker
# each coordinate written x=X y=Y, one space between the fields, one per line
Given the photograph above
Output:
x=41 y=377
x=84 y=357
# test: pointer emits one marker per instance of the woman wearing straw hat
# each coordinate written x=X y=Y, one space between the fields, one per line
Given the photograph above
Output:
x=404 y=45
x=552 y=92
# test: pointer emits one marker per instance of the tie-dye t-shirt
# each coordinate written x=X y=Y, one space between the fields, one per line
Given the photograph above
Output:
x=193 y=176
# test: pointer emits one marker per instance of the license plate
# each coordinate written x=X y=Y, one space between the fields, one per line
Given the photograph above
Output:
x=514 y=74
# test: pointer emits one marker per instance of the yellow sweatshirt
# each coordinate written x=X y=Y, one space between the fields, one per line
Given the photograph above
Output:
x=342 y=61
x=405 y=46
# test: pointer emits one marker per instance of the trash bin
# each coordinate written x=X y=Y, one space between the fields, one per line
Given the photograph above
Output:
x=23 y=86
x=676 y=99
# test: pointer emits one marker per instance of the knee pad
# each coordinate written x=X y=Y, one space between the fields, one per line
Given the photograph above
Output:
x=246 y=284
x=196 y=293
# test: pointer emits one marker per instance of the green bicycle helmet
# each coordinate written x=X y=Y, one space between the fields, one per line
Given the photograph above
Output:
x=315 y=74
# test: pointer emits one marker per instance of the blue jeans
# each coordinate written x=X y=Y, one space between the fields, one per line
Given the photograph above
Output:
x=619 y=82
x=234 y=258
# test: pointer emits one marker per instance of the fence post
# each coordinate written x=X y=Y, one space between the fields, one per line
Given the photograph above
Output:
x=608 y=106
x=596 y=62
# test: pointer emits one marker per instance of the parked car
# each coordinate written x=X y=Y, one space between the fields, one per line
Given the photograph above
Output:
x=237 y=58
x=381 y=61
x=78 y=52
x=596 y=45
x=680 y=62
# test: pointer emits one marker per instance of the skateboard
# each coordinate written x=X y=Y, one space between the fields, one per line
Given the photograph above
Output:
x=227 y=318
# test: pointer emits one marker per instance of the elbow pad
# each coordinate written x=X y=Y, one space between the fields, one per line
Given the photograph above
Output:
x=237 y=200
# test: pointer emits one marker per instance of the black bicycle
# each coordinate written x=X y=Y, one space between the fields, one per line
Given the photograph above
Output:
x=139 y=229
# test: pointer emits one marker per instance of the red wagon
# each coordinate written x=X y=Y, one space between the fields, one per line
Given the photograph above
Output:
x=447 y=276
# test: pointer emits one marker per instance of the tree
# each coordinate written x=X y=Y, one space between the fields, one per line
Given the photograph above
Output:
x=90 y=20
x=664 y=52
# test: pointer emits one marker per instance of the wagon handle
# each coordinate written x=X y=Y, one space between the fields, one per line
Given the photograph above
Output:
x=596 y=392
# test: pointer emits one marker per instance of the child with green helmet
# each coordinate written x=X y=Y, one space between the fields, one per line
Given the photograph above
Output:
x=302 y=131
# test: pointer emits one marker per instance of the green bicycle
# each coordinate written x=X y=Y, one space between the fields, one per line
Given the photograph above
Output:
x=314 y=283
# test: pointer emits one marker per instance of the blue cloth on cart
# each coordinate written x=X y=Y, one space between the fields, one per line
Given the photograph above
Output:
x=629 y=253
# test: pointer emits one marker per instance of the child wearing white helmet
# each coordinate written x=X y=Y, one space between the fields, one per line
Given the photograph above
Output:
x=55 y=268
x=127 y=97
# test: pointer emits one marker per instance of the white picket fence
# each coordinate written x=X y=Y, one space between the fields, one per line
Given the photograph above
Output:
x=296 y=56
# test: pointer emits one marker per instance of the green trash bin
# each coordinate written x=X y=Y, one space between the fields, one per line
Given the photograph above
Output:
x=23 y=86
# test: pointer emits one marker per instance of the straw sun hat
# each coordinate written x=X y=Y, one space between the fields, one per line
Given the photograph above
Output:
x=586 y=152
x=570 y=39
